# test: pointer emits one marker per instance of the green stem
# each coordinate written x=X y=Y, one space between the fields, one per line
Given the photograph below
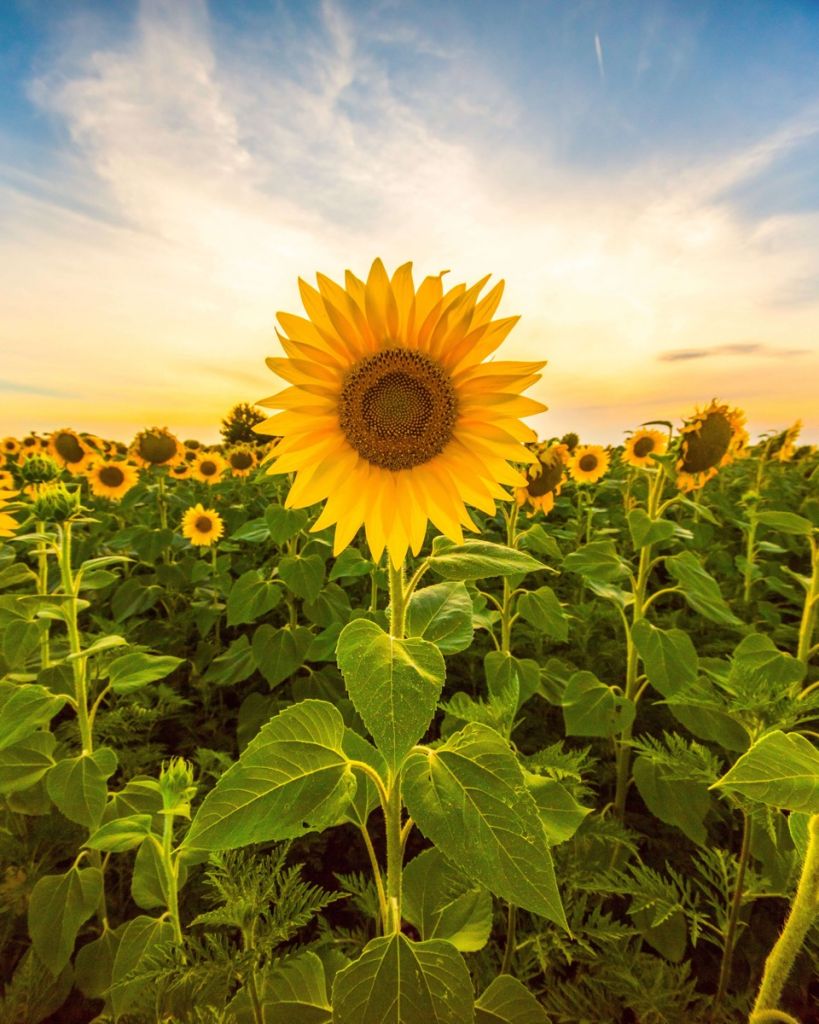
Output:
x=750 y=554
x=398 y=600
x=161 y=500
x=808 y=623
x=394 y=857
x=803 y=914
x=733 y=916
x=171 y=876
x=379 y=880
x=79 y=665
x=42 y=591
x=511 y=933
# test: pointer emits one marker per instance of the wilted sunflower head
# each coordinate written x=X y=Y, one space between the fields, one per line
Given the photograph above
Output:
x=544 y=478
x=392 y=415
x=209 y=467
x=241 y=461
x=68 y=449
x=10 y=446
x=712 y=438
x=589 y=462
x=109 y=479
x=642 y=446
x=156 y=446
x=202 y=526
x=571 y=440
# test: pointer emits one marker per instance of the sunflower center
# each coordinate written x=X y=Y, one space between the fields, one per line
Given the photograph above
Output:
x=398 y=408
x=204 y=524
x=643 y=446
x=704 y=448
x=587 y=463
x=207 y=468
x=549 y=477
x=241 y=460
x=157 y=448
x=68 y=448
x=111 y=476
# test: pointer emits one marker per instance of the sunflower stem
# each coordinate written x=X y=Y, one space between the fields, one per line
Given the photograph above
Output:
x=398 y=600
x=733 y=916
x=161 y=501
x=42 y=591
x=808 y=622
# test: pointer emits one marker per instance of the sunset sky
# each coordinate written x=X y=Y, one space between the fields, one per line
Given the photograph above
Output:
x=642 y=174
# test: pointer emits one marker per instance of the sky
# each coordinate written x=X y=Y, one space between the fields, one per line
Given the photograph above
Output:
x=641 y=174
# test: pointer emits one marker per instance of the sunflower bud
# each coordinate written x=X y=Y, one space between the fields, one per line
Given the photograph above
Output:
x=177 y=786
x=54 y=503
x=39 y=469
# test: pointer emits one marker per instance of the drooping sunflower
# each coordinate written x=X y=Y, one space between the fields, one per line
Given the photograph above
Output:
x=10 y=446
x=711 y=439
x=209 y=467
x=642 y=445
x=156 y=446
x=781 y=447
x=202 y=526
x=589 y=462
x=110 y=479
x=241 y=461
x=545 y=478
x=6 y=480
x=66 y=447
x=392 y=415
x=181 y=471
x=8 y=524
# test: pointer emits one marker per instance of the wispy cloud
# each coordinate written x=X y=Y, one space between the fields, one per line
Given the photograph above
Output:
x=737 y=349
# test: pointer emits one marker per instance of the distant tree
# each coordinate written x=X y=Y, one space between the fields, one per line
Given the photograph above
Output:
x=237 y=426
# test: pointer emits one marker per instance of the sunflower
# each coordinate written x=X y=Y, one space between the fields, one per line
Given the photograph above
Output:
x=392 y=416
x=192 y=444
x=6 y=480
x=712 y=438
x=109 y=479
x=781 y=447
x=202 y=526
x=66 y=447
x=588 y=463
x=209 y=467
x=34 y=445
x=8 y=524
x=545 y=478
x=181 y=471
x=9 y=446
x=642 y=445
x=156 y=446
x=241 y=461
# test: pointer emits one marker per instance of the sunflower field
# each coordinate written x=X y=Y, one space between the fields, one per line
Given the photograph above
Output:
x=397 y=714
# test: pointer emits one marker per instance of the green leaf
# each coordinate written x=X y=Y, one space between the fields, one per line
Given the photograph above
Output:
x=442 y=904
x=141 y=795
x=19 y=641
x=700 y=589
x=560 y=813
x=78 y=785
x=251 y=597
x=94 y=964
x=478 y=560
x=284 y=523
x=396 y=981
x=645 y=530
x=293 y=777
x=507 y=1001
x=597 y=561
x=303 y=574
x=139 y=939
x=541 y=609
x=149 y=883
x=394 y=685
x=669 y=656
x=234 y=666
x=14 y=574
x=442 y=614
x=366 y=797
x=786 y=522
x=758 y=666
x=590 y=708
x=504 y=670
x=469 y=797
x=278 y=653
x=780 y=770
x=121 y=834
x=57 y=909
x=332 y=606
x=294 y=992
x=349 y=564
x=26 y=761
x=131 y=671
x=679 y=802
x=133 y=597
x=24 y=709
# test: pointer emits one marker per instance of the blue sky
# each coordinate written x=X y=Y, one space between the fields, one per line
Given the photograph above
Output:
x=643 y=175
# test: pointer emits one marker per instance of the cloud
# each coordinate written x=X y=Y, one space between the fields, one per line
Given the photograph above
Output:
x=735 y=349
x=15 y=388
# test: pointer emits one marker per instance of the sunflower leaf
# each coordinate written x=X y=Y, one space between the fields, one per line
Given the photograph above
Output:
x=478 y=559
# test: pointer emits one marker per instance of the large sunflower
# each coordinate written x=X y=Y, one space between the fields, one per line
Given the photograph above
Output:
x=156 y=446
x=66 y=447
x=712 y=438
x=392 y=415
x=588 y=463
x=642 y=446
x=109 y=479
x=209 y=467
x=545 y=478
x=202 y=526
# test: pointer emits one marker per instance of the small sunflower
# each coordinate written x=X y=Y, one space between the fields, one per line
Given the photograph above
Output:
x=393 y=418
x=711 y=439
x=192 y=444
x=156 y=446
x=9 y=446
x=181 y=471
x=782 y=446
x=8 y=524
x=588 y=463
x=6 y=480
x=191 y=455
x=642 y=445
x=209 y=467
x=67 y=447
x=33 y=445
x=241 y=461
x=202 y=526
x=109 y=479
x=544 y=479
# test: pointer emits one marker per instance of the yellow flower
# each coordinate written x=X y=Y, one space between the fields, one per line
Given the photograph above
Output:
x=588 y=463
x=781 y=447
x=202 y=526
x=10 y=446
x=642 y=445
x=156 y=446
x=109 y=479
x=6 y=480
x=209 y=467
x=392 y=416
x=544 y=479
x=7 y=523
x=181 y=471
x=66 y=447
x=711 y=439
x=241 y=461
